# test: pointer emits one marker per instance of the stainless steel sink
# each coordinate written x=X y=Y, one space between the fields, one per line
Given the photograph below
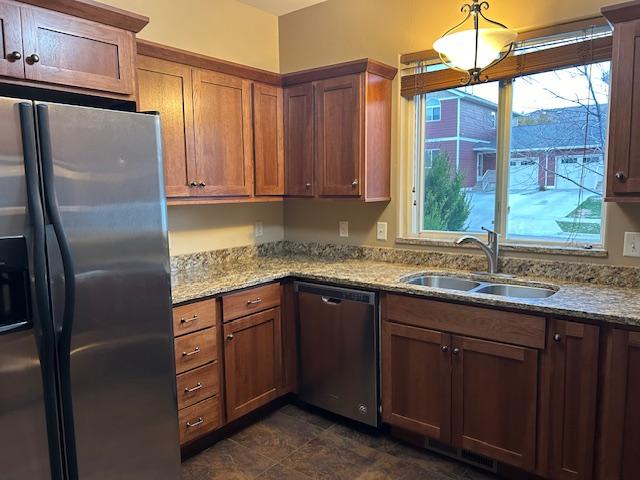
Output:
x=440 y=281
x=515 y=291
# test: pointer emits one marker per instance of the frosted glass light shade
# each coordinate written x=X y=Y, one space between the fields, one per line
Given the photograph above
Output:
x=459 y=47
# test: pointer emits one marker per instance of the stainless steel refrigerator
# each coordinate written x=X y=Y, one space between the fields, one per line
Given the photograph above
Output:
x=87 y=375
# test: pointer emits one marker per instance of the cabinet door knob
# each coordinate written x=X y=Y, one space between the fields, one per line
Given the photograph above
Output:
x=230 y=337
x=444 y=348
x=202 y=184
x=33 y=58
x=307 y=186
x=557 y=338
x=620 y=176
x=456 y=351
x=193 y=183
x=14 y=56
x=354 y=183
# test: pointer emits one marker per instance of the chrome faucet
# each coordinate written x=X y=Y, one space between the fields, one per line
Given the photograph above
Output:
x=491 y=250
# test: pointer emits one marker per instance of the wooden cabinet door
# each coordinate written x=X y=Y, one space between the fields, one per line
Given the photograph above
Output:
x=339 y=135
x=624 y=143
x=268 y=135
x=619 y=441
x=416 y=380
x=570 y=383
x=66 y=50
x=299 y=144
x=223 y=134
x=165 y=87
x=11 y=54
x=253 y=361
x=494 y=400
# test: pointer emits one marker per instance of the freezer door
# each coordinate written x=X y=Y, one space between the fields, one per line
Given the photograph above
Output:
x=120 y=398
x=24 y=451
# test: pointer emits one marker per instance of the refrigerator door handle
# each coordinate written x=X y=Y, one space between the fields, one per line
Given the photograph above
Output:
x=64 y=344
x=45 y=335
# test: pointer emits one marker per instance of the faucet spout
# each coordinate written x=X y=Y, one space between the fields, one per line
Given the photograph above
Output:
x=491 y=250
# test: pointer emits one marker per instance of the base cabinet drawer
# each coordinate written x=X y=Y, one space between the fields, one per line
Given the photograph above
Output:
x=198 y=384
x=195 y=350
x=199 y=419
x=194 y=316
x=250 y=301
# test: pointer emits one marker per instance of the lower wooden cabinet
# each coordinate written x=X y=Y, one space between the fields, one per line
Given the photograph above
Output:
x=494 y=400
x=253 y=361
x=619 y=440
x=416 y=380
x=196 y=327
x=569 y=383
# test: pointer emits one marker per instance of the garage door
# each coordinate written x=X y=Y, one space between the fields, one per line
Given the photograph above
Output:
x=523 y=174
x=574 y=171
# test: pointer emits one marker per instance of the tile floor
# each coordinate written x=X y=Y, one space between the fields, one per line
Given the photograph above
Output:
x=295 y=444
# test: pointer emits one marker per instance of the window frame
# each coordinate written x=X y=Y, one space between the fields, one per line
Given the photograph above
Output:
x=412 y=213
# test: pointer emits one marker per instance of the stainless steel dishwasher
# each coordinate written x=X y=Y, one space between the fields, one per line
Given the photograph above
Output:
x=338 y=348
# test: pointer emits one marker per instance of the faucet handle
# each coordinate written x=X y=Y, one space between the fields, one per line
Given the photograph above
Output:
x=489 y=231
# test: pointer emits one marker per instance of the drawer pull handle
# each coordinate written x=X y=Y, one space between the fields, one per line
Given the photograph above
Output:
x=195 y=351
x=254 y=302
x=188 y=320
x=200 y=421
x=193 y=389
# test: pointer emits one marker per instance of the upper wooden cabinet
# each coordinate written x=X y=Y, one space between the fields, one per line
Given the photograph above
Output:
x=232 y=133
x=619 y=441
x=299 y=145
x=268 y=132
x=166 y=87
x=352 y=126
x=12 y=59
x=623 y=177
x=41 y=46
x=223 y=134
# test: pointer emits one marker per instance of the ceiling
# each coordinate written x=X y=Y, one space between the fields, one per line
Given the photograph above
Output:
x=281 y=7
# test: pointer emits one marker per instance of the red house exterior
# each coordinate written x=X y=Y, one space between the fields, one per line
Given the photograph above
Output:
x=557 y=148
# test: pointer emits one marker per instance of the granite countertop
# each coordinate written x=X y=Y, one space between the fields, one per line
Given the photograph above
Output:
x=585 y=301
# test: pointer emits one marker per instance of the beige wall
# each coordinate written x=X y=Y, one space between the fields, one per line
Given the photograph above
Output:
x=340 y=30
x=232 y=31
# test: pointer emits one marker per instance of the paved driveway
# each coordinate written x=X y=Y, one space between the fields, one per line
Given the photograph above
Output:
x=531 y=213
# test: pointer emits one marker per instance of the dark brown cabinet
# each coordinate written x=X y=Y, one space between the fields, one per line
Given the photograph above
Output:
x=338 y=136
x=416 y=380
x=268 y=128
x=223 y=134
x=339 y=144
x=299 y=145
x=165 y=87
x=50 y=47
x=12 y=56
x=618 y=453
x=569 y=384
x=494 y=400
x=253 y=361
x=623 y=178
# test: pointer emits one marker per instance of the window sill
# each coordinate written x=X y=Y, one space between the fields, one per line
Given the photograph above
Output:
x=511 y=247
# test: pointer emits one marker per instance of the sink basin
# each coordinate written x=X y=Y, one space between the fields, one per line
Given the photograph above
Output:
x=440 y=281
x=516 y=291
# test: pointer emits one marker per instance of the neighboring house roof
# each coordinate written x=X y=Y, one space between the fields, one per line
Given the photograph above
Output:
x=558 y=128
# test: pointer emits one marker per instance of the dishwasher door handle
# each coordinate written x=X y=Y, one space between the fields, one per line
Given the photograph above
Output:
x=331 y=301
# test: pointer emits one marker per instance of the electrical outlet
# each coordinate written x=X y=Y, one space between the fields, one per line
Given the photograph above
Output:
x=259 y=229
x=381 y=231
x=631 y=244
x=343 y=228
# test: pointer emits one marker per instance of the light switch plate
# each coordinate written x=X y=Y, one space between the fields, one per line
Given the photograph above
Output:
x=381 y=231
x=343 y=228
x=631 y=244
x=259 y=229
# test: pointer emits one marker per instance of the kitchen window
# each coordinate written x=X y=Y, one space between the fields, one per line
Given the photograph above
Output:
x=523 y=154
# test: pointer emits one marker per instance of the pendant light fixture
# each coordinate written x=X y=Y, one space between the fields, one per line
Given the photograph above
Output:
x=473 y=50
